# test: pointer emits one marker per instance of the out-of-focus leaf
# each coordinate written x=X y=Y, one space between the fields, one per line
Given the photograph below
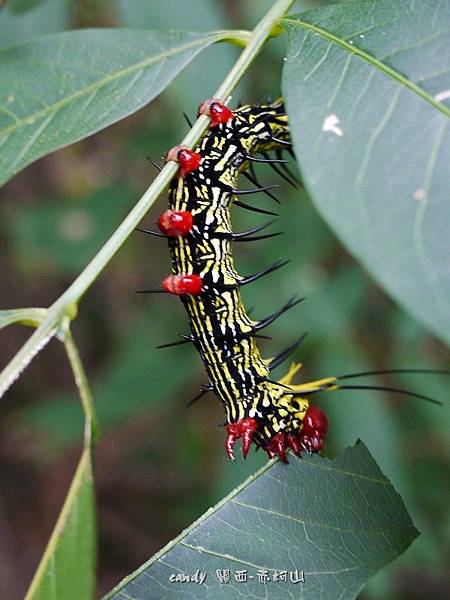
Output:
x=367 y=86
x=24 y=316
x=337 y=521
x=22 y=6
x=199 y=15
x=92 y=78
x=136 y=379
x=49 y=17
x=67 y=568
x=66 y=236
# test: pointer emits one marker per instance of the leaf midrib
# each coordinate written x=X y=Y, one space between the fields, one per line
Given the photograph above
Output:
x=52 y=108
x=375 y=62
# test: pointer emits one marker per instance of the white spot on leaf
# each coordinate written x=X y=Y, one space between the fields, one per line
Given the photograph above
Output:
x=331 y=123
x=420 y=194
x=442 y=96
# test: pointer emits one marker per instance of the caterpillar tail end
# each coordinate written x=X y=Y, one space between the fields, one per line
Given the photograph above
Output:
x=244 y=428
x=310 y=439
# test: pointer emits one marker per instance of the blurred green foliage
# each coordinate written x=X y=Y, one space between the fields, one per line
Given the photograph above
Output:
x=163 y=461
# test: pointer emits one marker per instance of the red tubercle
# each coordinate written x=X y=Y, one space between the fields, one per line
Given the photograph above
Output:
x=218 y=112
x=244 y=428
x=182 y=285
x=315 y=427
x=294 y=443
x=277 y=446
x=187 y=159
x=310 y=439
x=175 y=223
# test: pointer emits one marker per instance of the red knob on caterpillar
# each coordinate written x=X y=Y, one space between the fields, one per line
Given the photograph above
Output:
x=186 y=158
x=277 y=446
x=175 y=223
x=315 y=427
x=181 y=285
x=218 y=112
x=243 y=428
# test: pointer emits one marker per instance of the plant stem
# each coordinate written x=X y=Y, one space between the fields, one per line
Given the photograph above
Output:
x=79 y=374
x=67 y=303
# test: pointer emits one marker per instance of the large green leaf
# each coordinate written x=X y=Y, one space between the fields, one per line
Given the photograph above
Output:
x=61 y=88
x=339 y=521
x=367 y=86
x=67 y=568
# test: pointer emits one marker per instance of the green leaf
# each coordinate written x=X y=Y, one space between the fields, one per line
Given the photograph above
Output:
x=65 y=235
x=367 y=87
x=92 y=78
x=50 y=17
x=25 y=316
x=21 y=6
x=67 y=568
x=337 y=520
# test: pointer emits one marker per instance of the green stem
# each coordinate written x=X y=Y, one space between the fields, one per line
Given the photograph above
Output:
x=79 y=374
x=66 y=304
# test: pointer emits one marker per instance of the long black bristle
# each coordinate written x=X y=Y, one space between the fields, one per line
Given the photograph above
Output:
x=256 y=182
x=284 y=176
x=279 y=358
x=150 y=232
x=154 y=164
x=255 y=190
x=254 y=209
x=395 y=371
x=197 y=397
x=261 y=237
x=266 y=160
x=155 y=291
x=187 y=119
x=283 y=385
x=276 y=265
x=251 y=231
x=251 y=168
x=179 y=343
x=285 y=168
x=290 y=304
x=388 y=389
x=281 y=142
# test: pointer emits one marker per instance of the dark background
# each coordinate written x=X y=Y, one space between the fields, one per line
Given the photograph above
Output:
x=160 y=465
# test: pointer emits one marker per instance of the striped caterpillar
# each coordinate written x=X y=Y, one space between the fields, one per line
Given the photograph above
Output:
x=274 y=415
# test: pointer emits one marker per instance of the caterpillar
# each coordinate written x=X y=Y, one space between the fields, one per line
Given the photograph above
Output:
x=274 y=415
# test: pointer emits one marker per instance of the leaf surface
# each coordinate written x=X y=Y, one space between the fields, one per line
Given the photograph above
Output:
x=67 y=568
x=66 y=86
x=367 y=87
x=338 y=521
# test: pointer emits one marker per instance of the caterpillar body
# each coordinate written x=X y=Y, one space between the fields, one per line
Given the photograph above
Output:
x=198 y=225
x=274 y=415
